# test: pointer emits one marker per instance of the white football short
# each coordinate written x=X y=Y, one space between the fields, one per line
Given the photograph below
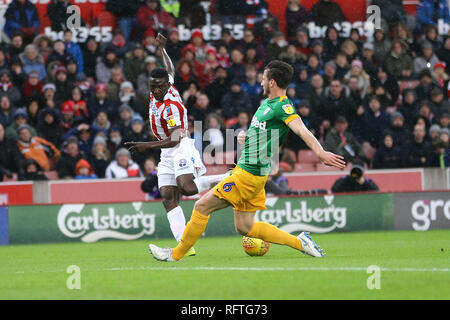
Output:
x=182 y=159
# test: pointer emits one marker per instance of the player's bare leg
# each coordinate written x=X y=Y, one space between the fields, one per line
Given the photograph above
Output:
x=189 y=185
x=206 y=205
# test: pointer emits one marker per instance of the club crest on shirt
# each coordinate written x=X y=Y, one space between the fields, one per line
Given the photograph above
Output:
x=227 y=186
x=288 y=108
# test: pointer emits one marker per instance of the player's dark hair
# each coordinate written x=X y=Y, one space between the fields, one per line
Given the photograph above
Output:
x=159 y=73
x=281 y=72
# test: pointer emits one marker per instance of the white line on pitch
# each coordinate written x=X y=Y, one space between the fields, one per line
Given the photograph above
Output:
x=277 y=269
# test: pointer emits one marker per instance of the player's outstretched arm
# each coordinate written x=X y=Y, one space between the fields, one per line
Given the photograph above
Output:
x=161 y=43
x=170 y=142
x=329 y=158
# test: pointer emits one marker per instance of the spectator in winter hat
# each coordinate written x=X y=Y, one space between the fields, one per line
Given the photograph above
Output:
x=49 y=126
x=59 y=54
x=35 y=148
x=134 y=63
x=8 y=88
x=63 y=85
x=123 y=166
x=67 y=115
x=173 y=45
x=102 y=122
x=363 y=78
x=434 y=132
x=128 y=96
x=439 y=74
x=32 y=172
x=101 y=156
x=149 y=42
x=33 y=86
x=20 y=119
x=85 y=134
x=125 y=115
x=69 y=158
x=99 y=102
x=198 y=45
x=427 y=60
x=106 y=63
x=83 y=170
x=439 y=104
x=142 y=81
x=399 y=63
x=398 y=130
x=74 y=50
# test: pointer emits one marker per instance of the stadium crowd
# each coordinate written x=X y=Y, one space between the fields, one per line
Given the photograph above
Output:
x=70 y=107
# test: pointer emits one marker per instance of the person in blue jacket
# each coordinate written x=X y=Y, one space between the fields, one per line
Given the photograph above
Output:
x=430 y=11
x=22 y=16
x=74 y=49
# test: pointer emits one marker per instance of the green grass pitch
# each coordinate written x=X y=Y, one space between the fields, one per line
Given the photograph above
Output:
x=413 y=266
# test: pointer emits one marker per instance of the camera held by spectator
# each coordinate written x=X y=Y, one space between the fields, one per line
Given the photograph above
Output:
x=355 y=181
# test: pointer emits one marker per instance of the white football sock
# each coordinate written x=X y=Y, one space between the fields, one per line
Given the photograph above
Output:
x=204 y=183
x=177 y=222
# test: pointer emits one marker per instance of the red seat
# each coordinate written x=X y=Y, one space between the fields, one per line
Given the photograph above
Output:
x=307 y=156
x=305 y=167
x=324 y=167
x=106 y=19
x=231 y=122
x=285 y=166
x=13 y=178
x=51 y=175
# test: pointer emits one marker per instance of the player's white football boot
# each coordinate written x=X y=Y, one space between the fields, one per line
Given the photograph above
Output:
x=309 y=247
x=161 y=254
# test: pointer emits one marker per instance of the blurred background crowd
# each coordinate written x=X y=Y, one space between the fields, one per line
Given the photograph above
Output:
x=67 y=108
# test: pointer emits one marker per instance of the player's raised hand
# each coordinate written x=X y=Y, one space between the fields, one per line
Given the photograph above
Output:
x=136 y=146
x=331 y=159
x=161 y=41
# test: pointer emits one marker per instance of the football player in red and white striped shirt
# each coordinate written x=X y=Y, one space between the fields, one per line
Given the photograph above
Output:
x=180 y=169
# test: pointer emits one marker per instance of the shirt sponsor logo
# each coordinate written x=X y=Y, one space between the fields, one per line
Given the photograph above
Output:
x=258 y=124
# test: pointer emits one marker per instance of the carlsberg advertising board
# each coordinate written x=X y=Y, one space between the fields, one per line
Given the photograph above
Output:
x=94 y=222
x=138 y=220
x=329 y=213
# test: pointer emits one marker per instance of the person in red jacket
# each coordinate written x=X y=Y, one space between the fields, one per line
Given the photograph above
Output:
x=152 y=15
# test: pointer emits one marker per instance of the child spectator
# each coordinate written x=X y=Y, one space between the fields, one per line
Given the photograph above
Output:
x=83 y=170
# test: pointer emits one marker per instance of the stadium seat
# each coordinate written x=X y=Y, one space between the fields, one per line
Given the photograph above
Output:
x=231 y=122
x=305 y=167
x=14 y=178
x=106 y=19
x=307 y=156
x=324 y=167
x=285 y=166
x=51 y=175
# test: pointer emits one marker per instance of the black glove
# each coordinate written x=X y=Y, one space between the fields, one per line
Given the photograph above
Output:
x=149 y=184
